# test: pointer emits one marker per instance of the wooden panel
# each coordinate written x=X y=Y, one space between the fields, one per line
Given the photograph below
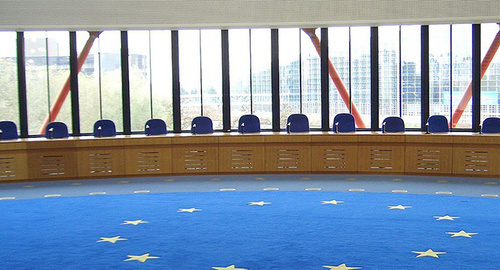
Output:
x=428 y=159
x=101 y=162
x=330 y=137
x=144 y=161
x=241 y=158
x=334 y=158
x=13 y=165
x=381 y=158
x=194 y=159
x=476 y=160
x=288 y=158
x=52 y=164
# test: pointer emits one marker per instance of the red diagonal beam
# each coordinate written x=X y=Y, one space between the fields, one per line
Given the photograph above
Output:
x=56 y=107
x=311 y=32
x=468 y=92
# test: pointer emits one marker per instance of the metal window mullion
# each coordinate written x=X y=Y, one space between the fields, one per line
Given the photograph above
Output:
x=21 y=84
x=325 y=82
x=425 y=94
x=476 y=77
x=374 y=71
x=226 y=84
x=125 y=84
x=75 y=103
x=176 y=87
x=275 y=78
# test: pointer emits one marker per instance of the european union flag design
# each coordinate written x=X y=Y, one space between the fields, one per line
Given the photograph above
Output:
x=251 y=230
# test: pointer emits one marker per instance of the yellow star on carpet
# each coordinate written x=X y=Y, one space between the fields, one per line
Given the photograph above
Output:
x=141 y=258
x=462 y=234
x=447 y=217
x=231 y=267
x=340 y=267
x=111 y=239
x=428 y=253
x=134 y=222
x=400 y=207
x=189 y=210
x=261 y=203
x=331 y=202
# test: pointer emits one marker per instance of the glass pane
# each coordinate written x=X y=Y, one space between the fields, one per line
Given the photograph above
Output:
x=99 y=81
x=289 y=55
x=338 y=48
x=189 y=73
x=161 y=71
x=9 y=104
x=140 y=84
x=462 y=70
x=439 y=70
x=261 y=76
x=411 y=75
x=239 y=74
x=311 y=80
x=389 y=72
x=360 y=73
x=490 y=83
x=211 y=58
x=47 y=69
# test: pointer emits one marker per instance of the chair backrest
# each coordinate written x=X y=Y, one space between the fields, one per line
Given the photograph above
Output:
x=202 y=125
x=8 y=130
x=155 y=127
x=249 y=123
x=393 y=124
x=297 y=123
x=491 y=125
x=104 y=128
x=344 y=122
x=56 y=130
x=437 y=124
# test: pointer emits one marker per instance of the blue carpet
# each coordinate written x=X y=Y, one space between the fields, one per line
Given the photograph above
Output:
x=295 y=231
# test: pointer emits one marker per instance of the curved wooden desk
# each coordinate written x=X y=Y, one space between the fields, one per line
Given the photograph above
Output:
x=458 y=154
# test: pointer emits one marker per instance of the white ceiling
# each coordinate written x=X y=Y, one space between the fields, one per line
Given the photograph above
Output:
x=175 y=14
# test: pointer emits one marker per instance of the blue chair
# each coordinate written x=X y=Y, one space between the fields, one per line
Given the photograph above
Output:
x=393 y=124
x=155 y=127
x=8 y=130
x=104 y=128
x=437 y=124
x=343 y=122
x=56 y=130
x=249 y=123
x=202 y=125
x=491 y=125
x=297 y=123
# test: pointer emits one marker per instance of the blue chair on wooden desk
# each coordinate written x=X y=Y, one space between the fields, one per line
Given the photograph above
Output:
x=8 y=130
x=491 y=125
x=393 y=124
x=297 y=123
x=249 y=123
x=437 y=124
x=202 y=125
x=104 y=128
x=155 y=127
x=56 y=130
x=343 y=122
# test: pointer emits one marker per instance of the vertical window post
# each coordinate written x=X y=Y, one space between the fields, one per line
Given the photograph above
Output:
x=325 y=80
x=21 y=80
x=226 y=92
x=275 y=74
x=424 y=76
x=176 y=87
x=374 y=78
x=73 y=65
x=476 y=77
x=125 y=83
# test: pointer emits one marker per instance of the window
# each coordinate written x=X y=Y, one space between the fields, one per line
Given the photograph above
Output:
x=339 y=49
x=150 y=61
x=490 y=83
x=250 y=75
x=8 y=79
x=47 y=69
x=200 y=69
x=360 y=73
x=99 y=81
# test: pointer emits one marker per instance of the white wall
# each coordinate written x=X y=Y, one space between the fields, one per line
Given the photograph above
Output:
x=151 y=14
